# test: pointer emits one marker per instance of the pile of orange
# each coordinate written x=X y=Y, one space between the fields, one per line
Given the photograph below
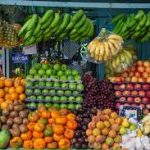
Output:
x=49 y=129
x=11 y=89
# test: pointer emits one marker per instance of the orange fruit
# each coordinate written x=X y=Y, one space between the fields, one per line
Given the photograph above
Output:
x=2 y=93
x=8 y=82
x=19 y=89
x=14 y=96
x=6 y=89
x=11 y=90
x=7 y=96
x=1 y=83
x=22 y=97
x=4 y=105
x=1 y=100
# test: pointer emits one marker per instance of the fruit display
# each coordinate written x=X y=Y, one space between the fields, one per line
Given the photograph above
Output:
x=8 y=36
x=83 y=117
x=146 y=124
x=123 y=60
x=139 y=72
x=14 y=118
x=11 y=89
x=52 y=24
x=133 y=26
x=105 y=46
x=135 y=94
x=50 y=129
x=55 y=85
x=99 y=94
x=106 y=130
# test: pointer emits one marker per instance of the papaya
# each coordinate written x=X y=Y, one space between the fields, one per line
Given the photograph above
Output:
x=4 y=138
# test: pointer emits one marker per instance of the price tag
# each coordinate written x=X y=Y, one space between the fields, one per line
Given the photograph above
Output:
x=30 y=50
x=20 y=58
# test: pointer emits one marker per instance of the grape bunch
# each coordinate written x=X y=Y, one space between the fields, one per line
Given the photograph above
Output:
x=98 y=93
x=84 y=116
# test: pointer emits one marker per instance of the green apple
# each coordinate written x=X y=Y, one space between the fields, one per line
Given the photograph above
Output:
x=74 y=72
x=56 y=67
x=45 y=91
x=60 y=73
x=64 y=67
x=29 y=91
x=64 y=85
x=109 y=141
x=55 y=98
x=49 y=84
x=71 y=98
x=40 y=104
x=77 y=78
x=76 y=92
x=63 y=98
x=56 y=85
x=48 y=105
x=52 y=92
x=42 y=83
x=32 y=71
x=40 y=97
x=80 y=87
x=123 y=130
x=48 y=98
x=56 y=106
x=71 y=106
x=29 y=77
x=49 y=72
x=53 y=77
x=78 y=106
x=79 y=99
x=70 y=78
x=32 y=105
x=37 y=91
x=68 y=92
x=37 y=77
x=60 y=92
x=32 y=97
x=41 y=72
x=72 y=86
x=68 y=72
x=45 y=66
x=37 y=66
x=29 y=83
x=63 y=78
x=63 y=105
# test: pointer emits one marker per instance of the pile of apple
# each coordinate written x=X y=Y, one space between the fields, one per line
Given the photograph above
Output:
x=135 y=94
x=139 y=72
x=106 y=129
x=54 y=86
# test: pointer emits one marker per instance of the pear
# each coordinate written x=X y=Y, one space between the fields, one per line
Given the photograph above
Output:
x=125 y=123
x=123 y=130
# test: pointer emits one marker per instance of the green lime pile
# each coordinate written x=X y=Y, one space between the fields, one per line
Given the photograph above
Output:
x=77 y=27
x=54 y=86
x=133 y=26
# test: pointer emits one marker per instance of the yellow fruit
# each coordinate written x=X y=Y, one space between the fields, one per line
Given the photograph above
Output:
x=112 y=134
x=105 y=131
x=107 y=124
x=100 y=125
x=91 y=139
x=88 y=132
x=114 y=115
x=96 y=132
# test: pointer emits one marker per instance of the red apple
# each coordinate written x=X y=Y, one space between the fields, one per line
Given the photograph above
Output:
x=137 y=100
x=126 y=104
x=140 y=69
x=134 y=93
x=148 y=80
x=145 y=100
x=130 y=86
x=126 y=93
x=137 y=86
x=140 y=63
x=122 y=86
x=137 y=74
x=130 y=100
x=145 y=86
x=128 y=79
x=146 y=64
x=117 y=105
x=118 y=93
x=141 y=93
x=148 y=106
x=122 y=99
x=134 y=79
x=145 y=111
x=147 y=69
x=145 y=74
x=148 y=93
x=141 y=80
x=142 y=105
x=134 y=104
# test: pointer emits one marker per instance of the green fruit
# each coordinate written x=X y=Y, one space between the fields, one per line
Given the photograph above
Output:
x=71 y=106
x=56 y=84
x=41 y=72
x=63 y=78
x=33 y=22
x=37 y=29
x=63 y=105
x=48 y=132
x=68 y=92
x=32 y=71
x=45 y=66
x=72 y=86
x=55 y=98
x=71 y=99
x=48 y=98
x=43 y=121
x=78 y=15
x=49 y=72
x=55 y=21
x=60 y=73
x=74 y=72
x=42 y=83
x=40 y=97
x=4 y=138
x=64 y=85
x=52 y=92
x=29 y=91
x=60 y=92
x=37 y=66
x=78 y=106
x=56 y=67
x=29 y=83
x=63 y=98
x=32 y=105
x=80 y=87
x=49 y=84
x=79 y=99
x=56 y=106
x=45 y=91
x=64 y=67
x=37 y=91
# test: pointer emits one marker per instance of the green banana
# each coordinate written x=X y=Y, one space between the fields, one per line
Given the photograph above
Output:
x=117 y=18
x=143 y=21
x=55 y=20
x=81 y=22
x=139 y=15
x=91 y=31
x=28 y=35
x=47 y=23
x=37 y=29
x=22 y=30
x=84 y=27
x=33 y=22
x=46 y=16
x=77 y=16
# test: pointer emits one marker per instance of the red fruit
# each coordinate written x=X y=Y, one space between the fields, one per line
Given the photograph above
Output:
x=148 y=80
x=142 y=105
x=117 y=105
x=137 y=100
x=130 y=100
x=131 y=74
x=148 y=93
x=145 y=74
x=145 y=86
x=148 y=106
x=128 y=79
x=141 y=69
x=122 y=99
x=145 y=111
x=140 y=63
x=147 y=69
x=134 y=79
x=137 y=74
x=118 y=93
x=134 y=93
x=145 y=100
x=142 y=93
x=126 y=93
x=122 y=86
x=137 y=86
x=130 y=86
x=146 y=64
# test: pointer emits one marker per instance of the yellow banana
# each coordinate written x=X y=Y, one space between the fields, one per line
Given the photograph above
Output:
x=102 y=50
x=107 y=51
x=115 y=37
x=116 y=44
x=113 y=50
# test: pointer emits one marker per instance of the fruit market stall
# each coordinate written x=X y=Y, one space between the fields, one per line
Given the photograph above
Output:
x=83 y=82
